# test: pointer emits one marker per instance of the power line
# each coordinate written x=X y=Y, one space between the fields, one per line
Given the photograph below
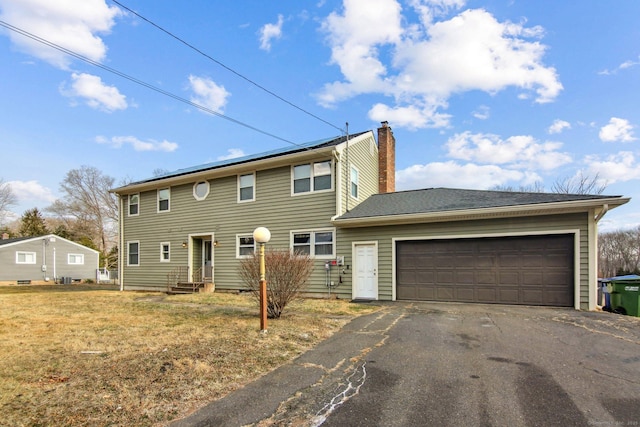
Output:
x=140 y=82
x=169 y=33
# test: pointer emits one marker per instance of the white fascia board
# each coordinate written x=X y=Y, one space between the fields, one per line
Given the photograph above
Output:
x=483 y=213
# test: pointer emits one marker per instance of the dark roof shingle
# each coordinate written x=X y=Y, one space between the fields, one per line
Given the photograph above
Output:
x=433 y=200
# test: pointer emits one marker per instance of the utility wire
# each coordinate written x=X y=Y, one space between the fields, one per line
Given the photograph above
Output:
x=169 y=33
x=140 y=82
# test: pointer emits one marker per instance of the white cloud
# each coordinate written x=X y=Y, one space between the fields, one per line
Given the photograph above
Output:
x=31 y=191
x=482 y=112
x=618 y=130
x=623 y=66
x=411 y=116
x=208 y=94
x=558 y=126
x=95 y=93
x=233 y=153
x=73 y=24
x=520 y=151
x=269 y=32
x=428 y=9
x=137 y=144
x=454 y=175
x=619 y=167
x=431 y=60
x=355 y=38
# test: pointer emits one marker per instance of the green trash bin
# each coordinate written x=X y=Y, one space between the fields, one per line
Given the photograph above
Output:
x=625 y=296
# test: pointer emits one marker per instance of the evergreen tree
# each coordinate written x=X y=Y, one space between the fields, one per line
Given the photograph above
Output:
x=32 y=224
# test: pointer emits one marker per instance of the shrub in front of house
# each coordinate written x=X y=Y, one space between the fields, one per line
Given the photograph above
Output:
x=286 y=274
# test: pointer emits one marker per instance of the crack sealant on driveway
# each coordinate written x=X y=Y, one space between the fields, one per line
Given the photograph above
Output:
x=354 y=382
x=310 y=407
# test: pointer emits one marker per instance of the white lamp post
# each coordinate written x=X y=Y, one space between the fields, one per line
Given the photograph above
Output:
x=262 y=235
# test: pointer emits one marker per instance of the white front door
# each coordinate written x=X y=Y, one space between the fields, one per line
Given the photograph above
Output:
x=365 y=284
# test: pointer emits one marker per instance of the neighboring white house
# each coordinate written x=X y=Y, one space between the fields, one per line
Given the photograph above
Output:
x=45 y=259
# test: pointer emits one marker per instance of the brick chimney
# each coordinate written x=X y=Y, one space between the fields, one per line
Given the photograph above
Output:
x=386 y=159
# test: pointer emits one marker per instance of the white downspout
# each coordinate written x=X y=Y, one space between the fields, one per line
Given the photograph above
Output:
x=593 y=255
x=605 y=209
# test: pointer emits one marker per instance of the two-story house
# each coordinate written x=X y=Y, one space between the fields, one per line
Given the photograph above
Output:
x=335 y=199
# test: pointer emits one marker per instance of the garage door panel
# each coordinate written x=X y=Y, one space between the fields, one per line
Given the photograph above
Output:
x=555 y=260
x=532 y=278
x=465 y=277
x=487 y=277
x=508 y=296
x=445 y=261
x=426 y=293
x=465 y=294
x=508 y=277
x=533 y=270
x=533 y=261
x=444 y=293
x=488 y=295
x=463 y=260
x=407 y=278
x=532 y=296
x=559 y=279
x=483 y=261
x=557 y=296
x=509 y=260
x=444 y=277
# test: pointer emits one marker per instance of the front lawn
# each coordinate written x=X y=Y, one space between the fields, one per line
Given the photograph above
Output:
x=83 y=355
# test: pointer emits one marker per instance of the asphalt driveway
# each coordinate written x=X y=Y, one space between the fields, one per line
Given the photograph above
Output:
x=423 y=364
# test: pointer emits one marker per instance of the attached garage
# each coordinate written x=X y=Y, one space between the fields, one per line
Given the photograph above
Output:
x=496 y=247
x=530 y=270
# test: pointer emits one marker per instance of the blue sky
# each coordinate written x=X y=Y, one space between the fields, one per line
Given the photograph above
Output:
x=478 y=93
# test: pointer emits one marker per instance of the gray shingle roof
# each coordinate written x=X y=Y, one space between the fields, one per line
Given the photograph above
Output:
x=433 y=200
x=13 y=240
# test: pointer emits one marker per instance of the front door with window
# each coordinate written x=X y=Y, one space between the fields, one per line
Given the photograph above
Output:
x=207 y=261
x=365 y=271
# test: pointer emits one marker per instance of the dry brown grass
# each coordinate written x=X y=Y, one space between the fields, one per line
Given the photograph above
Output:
x=80 y=355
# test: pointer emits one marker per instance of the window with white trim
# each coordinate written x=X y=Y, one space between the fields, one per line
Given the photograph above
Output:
x=25 y=257
x=134 y=204
x=246 y=187
x=317 y=243
x=354 y=182
x=245 y=246
x=312 y=177
x=165 y=252
x=201 y=190
x=75 y=259
x=133 y=253
x=164 y=195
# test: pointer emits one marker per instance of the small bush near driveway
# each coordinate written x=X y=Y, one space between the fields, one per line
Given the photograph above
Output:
x=79 y=355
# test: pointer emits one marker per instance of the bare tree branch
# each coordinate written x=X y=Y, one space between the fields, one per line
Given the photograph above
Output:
x=580 y=184
x=7 y=199
x=87 y=200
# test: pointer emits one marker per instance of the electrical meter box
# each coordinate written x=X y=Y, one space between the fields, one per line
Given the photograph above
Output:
x=338 y=261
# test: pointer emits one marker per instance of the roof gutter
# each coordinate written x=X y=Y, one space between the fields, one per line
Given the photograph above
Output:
x=481 y=213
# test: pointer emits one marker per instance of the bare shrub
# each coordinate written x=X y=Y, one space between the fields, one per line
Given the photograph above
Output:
x=286 y=274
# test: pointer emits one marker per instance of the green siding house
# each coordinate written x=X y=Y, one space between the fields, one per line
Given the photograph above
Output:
x=335 y=199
